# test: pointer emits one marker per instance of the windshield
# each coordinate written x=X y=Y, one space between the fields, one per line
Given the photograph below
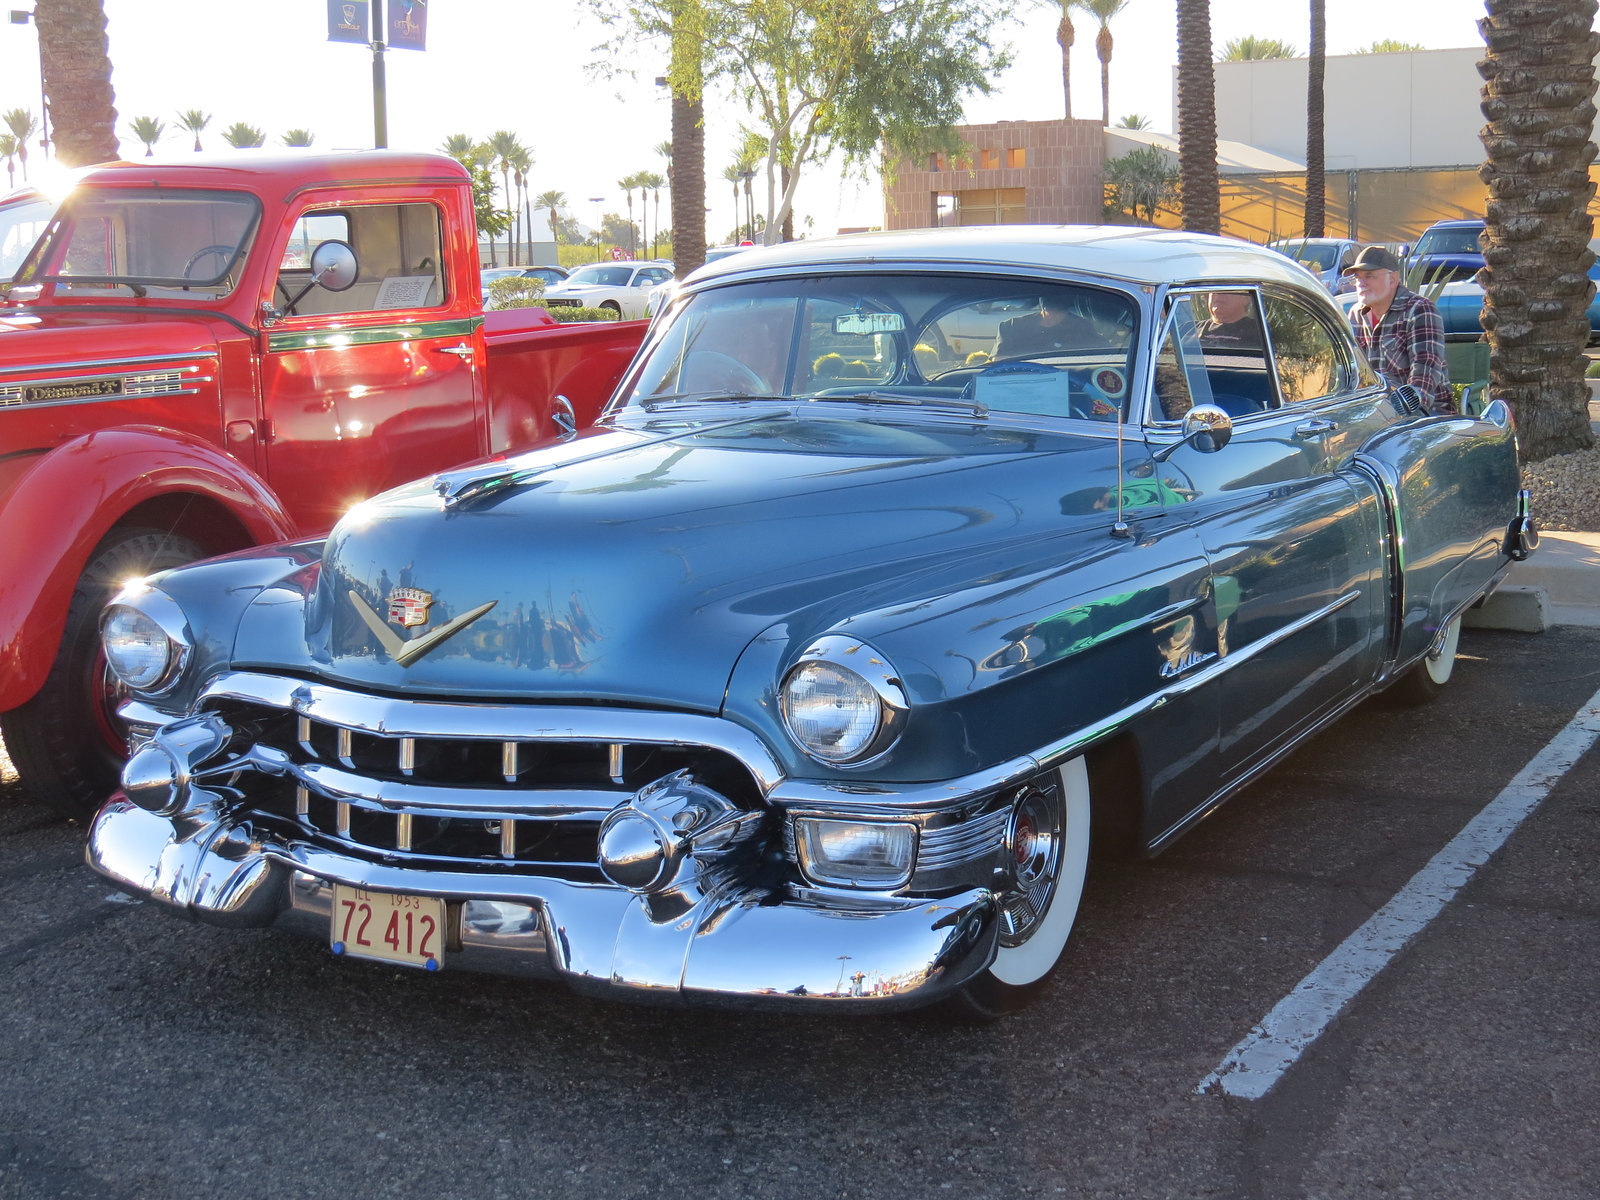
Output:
x=21 y=223
x=1449 y=241
x=1319 y=256
x=599 y=275
x=166 y=242
x=981 y=342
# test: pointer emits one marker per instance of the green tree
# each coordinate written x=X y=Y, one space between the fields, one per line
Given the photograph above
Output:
x=1133 y=121
x=1197 y=120
x=74 y=52
x=461 y=147
x=476 y=157
x=503 y=146
x=193 y=120
x=1316 y=175
x=627 y=183
x=1251 y=49
x=652 y=182
x=1139 y=182
x=243 y=136
x=849 y=76
x=1538 y=99
x=299 y=137
x=8 y=151
x=552 y=201
x=22 y=126
x=149 y=131
x=1103 y=11
x=521 y=164
x=1390 y=46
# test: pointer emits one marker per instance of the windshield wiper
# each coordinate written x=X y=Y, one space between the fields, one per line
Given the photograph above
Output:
x=651 y=403
x=915 y=401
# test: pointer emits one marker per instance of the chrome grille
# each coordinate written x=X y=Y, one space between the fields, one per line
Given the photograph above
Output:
x=449 y=796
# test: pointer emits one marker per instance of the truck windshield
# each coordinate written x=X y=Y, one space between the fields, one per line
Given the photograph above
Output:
x=978 y=342
x=22 y=220
x=165 y=242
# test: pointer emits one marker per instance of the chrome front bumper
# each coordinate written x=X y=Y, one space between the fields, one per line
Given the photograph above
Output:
x=747 y=947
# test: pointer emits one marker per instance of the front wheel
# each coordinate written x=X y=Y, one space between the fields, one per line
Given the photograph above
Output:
x=67 y=743
x=1048 y=844
x=1423 y=682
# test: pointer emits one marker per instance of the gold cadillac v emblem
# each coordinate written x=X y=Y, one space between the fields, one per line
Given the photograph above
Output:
x=408 y=608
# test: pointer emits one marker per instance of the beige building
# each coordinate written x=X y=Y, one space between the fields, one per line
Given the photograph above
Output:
x=1020 y=172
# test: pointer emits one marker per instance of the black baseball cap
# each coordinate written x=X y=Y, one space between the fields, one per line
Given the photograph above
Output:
x=1373 y=258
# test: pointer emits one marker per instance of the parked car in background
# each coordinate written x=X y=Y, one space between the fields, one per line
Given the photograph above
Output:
x=661 y=295
x=787 y=685
x=546 y=275
x=623 y=287
x=1447 y=252
x=1324 y=257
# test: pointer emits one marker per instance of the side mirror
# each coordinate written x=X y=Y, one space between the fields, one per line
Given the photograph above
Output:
x=334 y=266
x=1207 y=426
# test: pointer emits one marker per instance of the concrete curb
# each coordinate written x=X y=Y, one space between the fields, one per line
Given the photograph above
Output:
x=1559 y=585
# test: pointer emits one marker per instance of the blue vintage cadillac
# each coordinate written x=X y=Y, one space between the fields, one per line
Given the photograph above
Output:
x=900 y=571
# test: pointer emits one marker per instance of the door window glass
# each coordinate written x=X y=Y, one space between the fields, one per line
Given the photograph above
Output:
x=1213 y=354
x=398 y=248
x=1303 y=347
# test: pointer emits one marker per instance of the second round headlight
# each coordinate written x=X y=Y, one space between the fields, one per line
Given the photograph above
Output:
x=141 y=650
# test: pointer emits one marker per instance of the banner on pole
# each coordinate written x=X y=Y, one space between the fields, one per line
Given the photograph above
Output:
x=408 y=24
x=348 y=22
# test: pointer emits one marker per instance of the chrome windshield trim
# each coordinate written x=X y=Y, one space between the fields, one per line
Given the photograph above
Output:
x=392 y=717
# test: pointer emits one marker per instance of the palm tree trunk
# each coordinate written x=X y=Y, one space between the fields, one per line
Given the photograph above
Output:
x=1197 y=120
x=1538 y=91
x=1065 y=35
x=77 y=80
x=1316 y=184
x=1102 y=47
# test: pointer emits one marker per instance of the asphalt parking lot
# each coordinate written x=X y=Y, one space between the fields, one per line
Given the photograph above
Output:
x=145 y=1056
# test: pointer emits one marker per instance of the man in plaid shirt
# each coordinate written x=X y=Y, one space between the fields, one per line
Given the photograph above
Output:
x=1399 y=331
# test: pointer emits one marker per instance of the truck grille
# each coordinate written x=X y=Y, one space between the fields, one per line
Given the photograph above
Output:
x=368 y=775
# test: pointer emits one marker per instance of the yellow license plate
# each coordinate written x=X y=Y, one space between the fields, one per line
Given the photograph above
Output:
x=387 y=926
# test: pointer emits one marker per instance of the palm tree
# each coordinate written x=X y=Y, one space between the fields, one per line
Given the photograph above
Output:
x=460 y=147
x=650 y=181
x=521 y=164
x=1539 y=78
x=22 y=126
x=687 y=76
x=1133 y=121
x=193 y=120
x=1197 y=119
x=1065 y=34
x=8 y=151
x=148 y=130
x=552 y=200
x=243 y=136
x=627 y=183
x=299 y=137
x=77 y=80
x=502 y=145
x=1389 y=46
x=1316 y=185
x=1103 y=11
x=1251 y=49
x=733 y=173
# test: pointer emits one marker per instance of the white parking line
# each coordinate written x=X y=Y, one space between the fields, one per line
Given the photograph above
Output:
x=1252 y=1067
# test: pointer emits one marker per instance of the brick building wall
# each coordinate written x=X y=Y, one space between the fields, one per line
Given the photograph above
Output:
x=1034 y=172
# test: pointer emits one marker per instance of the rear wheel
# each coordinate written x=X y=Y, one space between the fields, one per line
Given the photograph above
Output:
x=1048 y=840
x=612 y=306
x=67 y=743
x=1423 y=683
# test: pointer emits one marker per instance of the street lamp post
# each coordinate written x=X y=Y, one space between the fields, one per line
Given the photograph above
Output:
x=596 y=201
x=749 y=203
x=21 y=16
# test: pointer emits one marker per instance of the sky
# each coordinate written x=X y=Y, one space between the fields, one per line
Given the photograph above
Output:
x=523 y=65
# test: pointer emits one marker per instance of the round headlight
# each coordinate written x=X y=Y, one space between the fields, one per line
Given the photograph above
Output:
x=839 y=713
x=139 y=650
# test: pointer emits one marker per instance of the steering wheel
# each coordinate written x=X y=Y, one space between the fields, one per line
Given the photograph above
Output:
x=712 y=371
x=223 y=252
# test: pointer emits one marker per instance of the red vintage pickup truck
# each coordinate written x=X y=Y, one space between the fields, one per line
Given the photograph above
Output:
x=199 y=357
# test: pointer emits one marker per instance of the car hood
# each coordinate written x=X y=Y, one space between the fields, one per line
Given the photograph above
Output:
x=59 y=337
x=637 y=564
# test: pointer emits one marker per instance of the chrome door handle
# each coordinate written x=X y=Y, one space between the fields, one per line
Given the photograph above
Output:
x=1315 y=427
x=463 y=351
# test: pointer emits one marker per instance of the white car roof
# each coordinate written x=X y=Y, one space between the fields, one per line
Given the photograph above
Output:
x=1139 y=256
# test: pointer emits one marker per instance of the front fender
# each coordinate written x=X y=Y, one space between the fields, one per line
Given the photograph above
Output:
x=58 y=509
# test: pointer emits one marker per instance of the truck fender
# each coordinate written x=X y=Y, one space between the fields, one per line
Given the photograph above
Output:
x=69 y=498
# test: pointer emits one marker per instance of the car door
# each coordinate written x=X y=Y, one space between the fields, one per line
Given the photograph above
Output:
x=367 y=388
x=1294 y=535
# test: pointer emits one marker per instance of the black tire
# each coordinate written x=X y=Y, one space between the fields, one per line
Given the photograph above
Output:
x=1423 y=683
x=612 y=306
x=65 y=742
x=1040 y=908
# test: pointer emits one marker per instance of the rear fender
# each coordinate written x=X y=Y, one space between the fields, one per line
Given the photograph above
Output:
x=529 y=367
x=63 y=503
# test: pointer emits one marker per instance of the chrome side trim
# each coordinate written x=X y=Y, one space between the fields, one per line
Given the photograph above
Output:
x=389 y=717
x=103 y=366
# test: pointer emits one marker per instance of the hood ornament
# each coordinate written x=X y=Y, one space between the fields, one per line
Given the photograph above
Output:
x=409 y=607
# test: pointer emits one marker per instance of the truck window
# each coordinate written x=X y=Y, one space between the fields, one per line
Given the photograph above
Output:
x=398 y=247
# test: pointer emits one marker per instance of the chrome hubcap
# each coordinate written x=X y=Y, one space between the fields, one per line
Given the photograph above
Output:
x=1034 y=837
